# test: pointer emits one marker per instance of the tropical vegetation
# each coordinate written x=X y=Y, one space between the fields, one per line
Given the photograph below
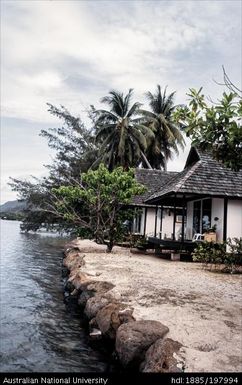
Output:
x=214 y=256
x=167 y=133
x=215 y=126
x=123 y=136
x=103 y=196
x=120 y=136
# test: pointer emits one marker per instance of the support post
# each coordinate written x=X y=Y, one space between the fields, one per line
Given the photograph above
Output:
x=225 y=219
x=161 y=220
x=174 y=219
x=145 y=220
x=156 y=210
x=183 y=218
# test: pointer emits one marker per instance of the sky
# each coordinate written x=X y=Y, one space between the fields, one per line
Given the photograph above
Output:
x=72 y=53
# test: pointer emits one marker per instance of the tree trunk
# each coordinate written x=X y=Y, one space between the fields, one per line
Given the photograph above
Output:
x=146 y=160
x=109 y=247
x=165 y=165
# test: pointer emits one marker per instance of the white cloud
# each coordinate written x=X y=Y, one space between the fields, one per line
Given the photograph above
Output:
x=74 y=52
x=138 y=45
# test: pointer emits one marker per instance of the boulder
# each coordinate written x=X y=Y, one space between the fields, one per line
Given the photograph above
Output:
x=71 y=250
x=89 y=289
x=74 y=260
x=65 y=272
x=99 y=287
x=162 y=357
x=69 y=287
x=93 y=324
x=134 y=338
x=111 y=316
x=94 y=333
x=83 y=298
x=80 y=280
x=96 y=303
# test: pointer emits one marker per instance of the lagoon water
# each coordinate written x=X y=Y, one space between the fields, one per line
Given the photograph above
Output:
x=38 y=334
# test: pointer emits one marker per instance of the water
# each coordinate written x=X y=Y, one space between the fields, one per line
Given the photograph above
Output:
x=37 y=332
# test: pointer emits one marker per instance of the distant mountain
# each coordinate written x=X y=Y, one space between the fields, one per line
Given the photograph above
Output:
x=13 y=206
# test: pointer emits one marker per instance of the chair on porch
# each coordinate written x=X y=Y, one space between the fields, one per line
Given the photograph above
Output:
x=198 y=237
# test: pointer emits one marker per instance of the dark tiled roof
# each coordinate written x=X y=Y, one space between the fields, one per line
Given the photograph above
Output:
x=153 y=180
x=205 y=176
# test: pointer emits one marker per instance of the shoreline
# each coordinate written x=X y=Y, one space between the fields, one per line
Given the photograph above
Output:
x=200 y=308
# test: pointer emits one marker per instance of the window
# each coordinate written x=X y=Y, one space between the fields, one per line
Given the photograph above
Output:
x=206 y=214
x=137 y=223
x=202 y=215
x=196 y=216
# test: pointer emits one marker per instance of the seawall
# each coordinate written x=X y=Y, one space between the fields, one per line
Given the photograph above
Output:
x=138 y=345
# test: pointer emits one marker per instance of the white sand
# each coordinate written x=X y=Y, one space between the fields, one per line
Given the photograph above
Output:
x=202 y=309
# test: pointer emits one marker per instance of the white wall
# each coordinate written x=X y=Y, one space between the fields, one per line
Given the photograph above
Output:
x=218 y=211
x=150 y=222
x=167 y=223
x=234 y=219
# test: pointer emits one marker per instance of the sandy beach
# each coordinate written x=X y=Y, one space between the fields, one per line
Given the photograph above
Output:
x=202 y=309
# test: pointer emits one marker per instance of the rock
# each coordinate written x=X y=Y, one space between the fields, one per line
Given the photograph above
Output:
x=65 y=272
x=111 y=316
x=74 y=260
x=94 y=332
x=134 y=338
x=80 y=280
x=96 y=303
x=71 y=248
x=100 y=287
x=89 y=289
x=93 y=324
x=83 y=298
x=69 y=287
x=162 y=357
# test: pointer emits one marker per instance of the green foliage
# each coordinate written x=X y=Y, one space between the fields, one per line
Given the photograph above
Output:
x=118 y=136
x=214 y=255
x=120 y=133
x=75 y=151
x=216 y=127
x=103 y=196
x=167 y=134
x=12 y=216
x=211 y=229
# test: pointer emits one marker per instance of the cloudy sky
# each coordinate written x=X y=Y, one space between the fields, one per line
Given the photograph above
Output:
x=73 y=52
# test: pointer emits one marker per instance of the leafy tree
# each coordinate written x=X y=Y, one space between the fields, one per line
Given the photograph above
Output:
x=102 y=195
x=75 y=151
x=216 y=127
x=74 y=145
x=167 y=135
x=120 y=132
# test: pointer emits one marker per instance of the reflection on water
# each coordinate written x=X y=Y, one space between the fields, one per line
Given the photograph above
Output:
x=37 y=333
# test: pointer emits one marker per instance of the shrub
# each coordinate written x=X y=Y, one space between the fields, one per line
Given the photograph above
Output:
x=214 y=255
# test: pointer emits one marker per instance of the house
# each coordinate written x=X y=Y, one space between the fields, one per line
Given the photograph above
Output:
x=149 y=217
x=204 y=194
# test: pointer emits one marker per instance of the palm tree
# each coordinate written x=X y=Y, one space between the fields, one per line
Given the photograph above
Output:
x=168 y=136
x=120 y=132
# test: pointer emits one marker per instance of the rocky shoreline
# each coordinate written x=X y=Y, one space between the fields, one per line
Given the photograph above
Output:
x=138 y=345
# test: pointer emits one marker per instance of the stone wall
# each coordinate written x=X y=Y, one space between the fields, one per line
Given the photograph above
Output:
x=139 y=345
